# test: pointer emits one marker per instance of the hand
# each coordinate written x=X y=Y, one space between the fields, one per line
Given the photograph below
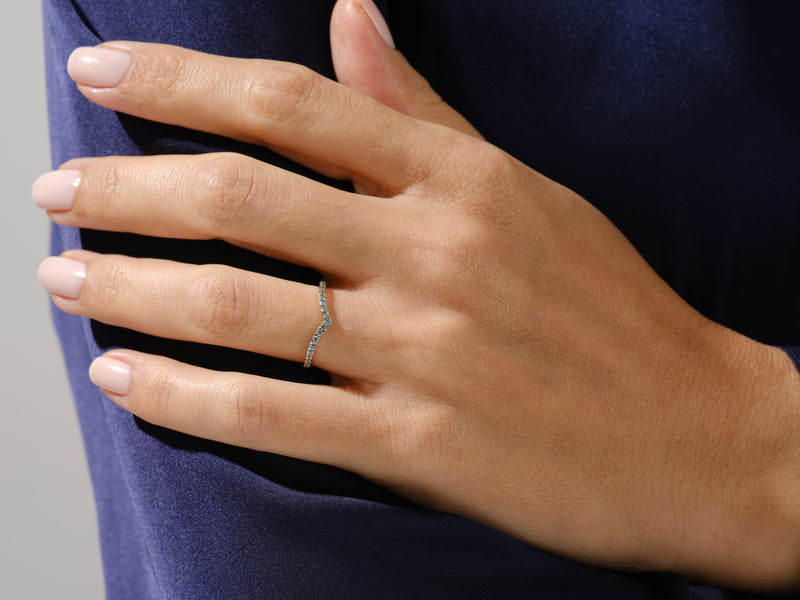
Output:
x=499 y=350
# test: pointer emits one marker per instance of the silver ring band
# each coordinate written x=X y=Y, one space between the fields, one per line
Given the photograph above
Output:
x=326 y=322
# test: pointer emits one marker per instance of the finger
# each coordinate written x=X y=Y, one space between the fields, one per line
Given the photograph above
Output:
x=227 y=196
x=325 y=125
x=210 y=304
x=364 y=59
x=311 y=422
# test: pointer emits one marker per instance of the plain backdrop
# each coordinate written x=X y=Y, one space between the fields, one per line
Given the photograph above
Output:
x=48 y=532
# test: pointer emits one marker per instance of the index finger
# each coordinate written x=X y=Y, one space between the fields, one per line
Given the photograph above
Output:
x=318 y=122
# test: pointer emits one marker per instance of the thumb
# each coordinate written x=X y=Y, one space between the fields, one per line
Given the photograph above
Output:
x=365 y=59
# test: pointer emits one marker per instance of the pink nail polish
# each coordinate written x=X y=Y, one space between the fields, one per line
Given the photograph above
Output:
x=377 y=20
x=56 y=190
x=98 y=67
x=111 y=375
x=62 y=276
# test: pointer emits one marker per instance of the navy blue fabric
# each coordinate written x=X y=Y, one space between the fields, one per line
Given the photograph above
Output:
x=677 y=119
x=794 y=354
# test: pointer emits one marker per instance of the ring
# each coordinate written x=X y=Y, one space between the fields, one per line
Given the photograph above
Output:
x=326 y=322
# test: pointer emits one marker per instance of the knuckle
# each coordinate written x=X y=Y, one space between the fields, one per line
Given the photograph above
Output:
x=424 y=98
x=466 y=245
x=434 y=434
x=281 y=94
x=486 y=177
x=241 y=415
x=434 y=343
x=226 y=188
x=496 y=168
x=421 y=440
x=219 y=302
x=448 y=331
x=108 y=280
x=102 y=183
x=459 y=252
x=159 y=398
x=162 y=75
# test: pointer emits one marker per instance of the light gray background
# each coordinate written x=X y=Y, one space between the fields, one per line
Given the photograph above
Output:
x=48 y=533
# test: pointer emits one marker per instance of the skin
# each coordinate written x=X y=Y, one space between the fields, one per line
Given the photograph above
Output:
x=499 y=349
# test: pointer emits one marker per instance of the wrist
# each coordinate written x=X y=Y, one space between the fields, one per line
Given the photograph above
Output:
x=742 y=524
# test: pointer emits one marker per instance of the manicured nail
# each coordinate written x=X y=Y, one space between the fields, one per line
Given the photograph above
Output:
x=111 y=375
x=56 y=190
x=62 y=276
x=98 y=67
x=377 y=20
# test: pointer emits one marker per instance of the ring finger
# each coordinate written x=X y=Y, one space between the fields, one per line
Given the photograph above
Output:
x=211 y=304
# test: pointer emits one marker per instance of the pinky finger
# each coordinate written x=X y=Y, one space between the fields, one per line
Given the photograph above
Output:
x=311 y=422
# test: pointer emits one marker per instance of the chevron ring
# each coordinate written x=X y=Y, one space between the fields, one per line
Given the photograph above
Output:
x=326 y=322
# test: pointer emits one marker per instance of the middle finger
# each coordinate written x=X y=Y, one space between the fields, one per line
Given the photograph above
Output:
x=224 y=196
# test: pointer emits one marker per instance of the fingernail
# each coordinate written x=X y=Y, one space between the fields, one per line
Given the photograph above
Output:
x=377 y=20
x=62 y=276
x=111 y=375
x=98 y=67
x=56 y=190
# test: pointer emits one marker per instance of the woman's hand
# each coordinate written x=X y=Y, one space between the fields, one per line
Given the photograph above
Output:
x=499 y=349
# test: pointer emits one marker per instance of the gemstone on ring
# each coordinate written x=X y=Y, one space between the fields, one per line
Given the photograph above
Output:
x=326 y=322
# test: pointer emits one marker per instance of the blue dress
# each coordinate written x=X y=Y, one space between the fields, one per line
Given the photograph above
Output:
x=678 y=119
